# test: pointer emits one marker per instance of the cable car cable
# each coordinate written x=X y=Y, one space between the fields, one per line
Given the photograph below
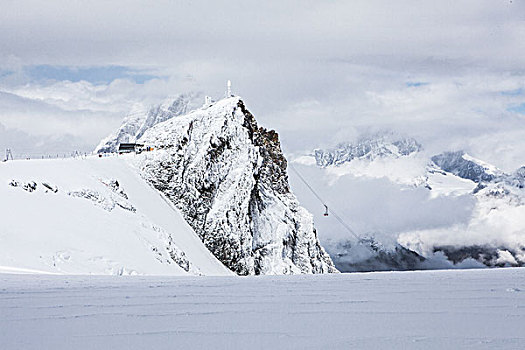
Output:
x=336 y=216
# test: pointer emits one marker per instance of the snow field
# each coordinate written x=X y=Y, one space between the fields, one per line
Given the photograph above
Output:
x=95 y=231
x=467 y=309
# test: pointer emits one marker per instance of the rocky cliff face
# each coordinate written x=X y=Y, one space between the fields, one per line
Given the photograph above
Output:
x=228 y=177
x=459 y=164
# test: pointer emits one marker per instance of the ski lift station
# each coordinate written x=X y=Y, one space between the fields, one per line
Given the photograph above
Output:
x=133 y=148
x=129 y=147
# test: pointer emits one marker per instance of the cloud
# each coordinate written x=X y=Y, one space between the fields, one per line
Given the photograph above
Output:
x=141 y=33
x=376 y=207
x=30 y=126
x=448 y=73
x=24 y=145
x=66 y=115
x=95 y=75
x=468 y=112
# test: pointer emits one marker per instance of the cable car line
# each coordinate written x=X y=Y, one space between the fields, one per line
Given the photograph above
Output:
x=336 y=216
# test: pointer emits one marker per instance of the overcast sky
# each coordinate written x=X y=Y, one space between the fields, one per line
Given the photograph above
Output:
x=450 y=73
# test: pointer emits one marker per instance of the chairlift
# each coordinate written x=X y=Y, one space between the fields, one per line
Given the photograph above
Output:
x=325 y=210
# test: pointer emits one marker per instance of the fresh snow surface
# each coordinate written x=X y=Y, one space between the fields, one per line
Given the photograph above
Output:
x=447 y=184
x=88 y=227
x=468 y=309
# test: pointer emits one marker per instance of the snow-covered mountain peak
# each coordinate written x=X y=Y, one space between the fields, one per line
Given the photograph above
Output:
x=369 y=148
x=141 y=117
x=467 y=167
x=228 y=177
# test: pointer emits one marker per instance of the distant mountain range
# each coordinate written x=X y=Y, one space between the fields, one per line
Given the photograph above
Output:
x=367 y=148
x=492 y=233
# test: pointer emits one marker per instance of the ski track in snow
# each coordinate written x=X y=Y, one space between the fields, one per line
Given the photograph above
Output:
x=468 y=309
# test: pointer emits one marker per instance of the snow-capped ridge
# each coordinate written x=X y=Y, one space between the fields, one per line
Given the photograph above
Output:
x=369 y=148
x=485 y=175
x=141 y=118
x=463 y=165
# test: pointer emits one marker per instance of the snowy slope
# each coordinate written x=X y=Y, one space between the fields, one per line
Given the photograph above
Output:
x=228 y=177
x=470 y=309
x=91 y=225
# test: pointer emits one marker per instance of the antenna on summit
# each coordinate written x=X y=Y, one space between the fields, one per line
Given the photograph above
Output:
x=229 y=91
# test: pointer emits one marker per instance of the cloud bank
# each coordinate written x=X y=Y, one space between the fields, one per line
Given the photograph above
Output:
x=448 y=73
